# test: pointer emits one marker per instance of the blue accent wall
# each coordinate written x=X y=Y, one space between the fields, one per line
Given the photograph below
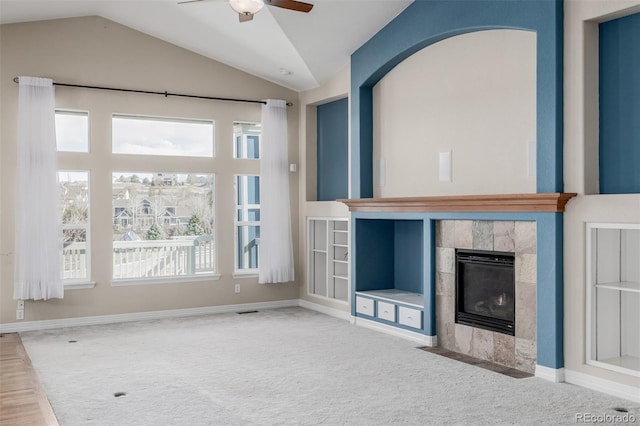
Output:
x=374 y=259
x=408 y=260
x=620 y=105
x=426 y=22
x=333 y=150
x=390 y=255
x=550 y=291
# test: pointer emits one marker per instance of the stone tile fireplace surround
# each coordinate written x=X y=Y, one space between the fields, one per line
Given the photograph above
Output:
x=517 y=237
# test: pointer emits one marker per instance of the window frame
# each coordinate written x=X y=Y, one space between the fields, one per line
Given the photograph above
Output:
x=164 y=279
x=243 y=272
x=78 y=112
x=86 y=282
x=244 y=141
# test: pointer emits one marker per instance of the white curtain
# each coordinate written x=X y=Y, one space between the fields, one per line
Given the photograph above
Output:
x=276 y=252
x=37 y=232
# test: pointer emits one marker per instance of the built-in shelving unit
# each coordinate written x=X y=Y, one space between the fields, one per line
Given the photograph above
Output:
x=613 y=296
x=328 y=240
x=389 y=267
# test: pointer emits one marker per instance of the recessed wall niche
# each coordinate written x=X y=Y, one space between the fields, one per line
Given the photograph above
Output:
x=332 y=150
x=472 y=94
x=619 y=100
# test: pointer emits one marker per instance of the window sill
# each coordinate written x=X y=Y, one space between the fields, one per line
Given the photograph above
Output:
x=79 y=285
x=245 y=274
x=167 y=280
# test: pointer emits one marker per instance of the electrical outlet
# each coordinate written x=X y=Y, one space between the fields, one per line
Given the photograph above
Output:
x=21 y=304
x=20 y=314
x=237 y=289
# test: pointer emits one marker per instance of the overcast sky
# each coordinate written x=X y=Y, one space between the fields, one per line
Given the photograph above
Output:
x=134 y=135
x=139 y=135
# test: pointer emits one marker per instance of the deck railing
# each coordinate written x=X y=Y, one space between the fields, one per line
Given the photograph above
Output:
x=179 y=256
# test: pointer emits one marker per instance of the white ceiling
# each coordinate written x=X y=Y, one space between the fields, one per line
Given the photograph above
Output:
x=313 y=46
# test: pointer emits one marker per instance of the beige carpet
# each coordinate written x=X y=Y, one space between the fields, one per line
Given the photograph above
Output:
x=282 y=367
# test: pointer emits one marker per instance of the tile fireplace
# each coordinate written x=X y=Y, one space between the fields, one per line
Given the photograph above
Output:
x=498 y=321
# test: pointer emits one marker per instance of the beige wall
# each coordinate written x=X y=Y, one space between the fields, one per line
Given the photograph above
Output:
x=96 y=51
x=474 y=94
x=337 y=88
x=581 y=18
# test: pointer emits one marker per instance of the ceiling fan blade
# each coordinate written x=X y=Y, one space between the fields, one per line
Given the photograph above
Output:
x=245 y=17
x=298 y=6
x=190 y=1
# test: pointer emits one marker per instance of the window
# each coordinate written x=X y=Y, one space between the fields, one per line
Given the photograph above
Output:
x=163 y=225
x=74 y=212
x=72 y=131
x=247 y=222
x=247 y=140
x=162 y=136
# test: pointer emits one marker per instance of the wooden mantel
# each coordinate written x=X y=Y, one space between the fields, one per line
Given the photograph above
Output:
x=550 y=202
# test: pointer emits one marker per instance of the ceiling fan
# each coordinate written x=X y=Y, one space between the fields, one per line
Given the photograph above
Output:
x=247 y=8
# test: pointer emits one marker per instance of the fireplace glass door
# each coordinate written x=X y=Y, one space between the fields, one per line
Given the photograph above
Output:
x=485 y=290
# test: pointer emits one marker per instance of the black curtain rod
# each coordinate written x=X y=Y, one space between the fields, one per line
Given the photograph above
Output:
x=149 y=92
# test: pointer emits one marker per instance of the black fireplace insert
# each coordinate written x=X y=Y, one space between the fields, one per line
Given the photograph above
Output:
x=485 y=290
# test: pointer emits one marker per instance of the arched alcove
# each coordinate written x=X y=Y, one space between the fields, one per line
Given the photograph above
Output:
x=427 y=22
x=472 y=96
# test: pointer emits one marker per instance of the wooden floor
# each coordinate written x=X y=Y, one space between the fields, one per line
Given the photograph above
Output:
x=22 y=400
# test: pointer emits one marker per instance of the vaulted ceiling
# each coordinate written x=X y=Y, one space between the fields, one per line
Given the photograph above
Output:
x=297 y=50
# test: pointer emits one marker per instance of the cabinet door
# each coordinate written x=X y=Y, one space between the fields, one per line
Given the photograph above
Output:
x=364 y=306
x=410 y=317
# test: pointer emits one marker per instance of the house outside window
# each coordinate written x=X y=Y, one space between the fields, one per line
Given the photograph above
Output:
x=162 y=227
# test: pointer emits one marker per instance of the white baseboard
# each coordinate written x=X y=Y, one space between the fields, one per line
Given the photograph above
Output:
x=332 y=312
x=138 y=316
x=431 y=341
x=603 y=385
x=555 y=375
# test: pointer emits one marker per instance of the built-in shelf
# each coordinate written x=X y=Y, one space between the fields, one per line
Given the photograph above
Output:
x=631 y=286
x=390 y=272
x=328 y=240
x=548 y=202
x=613 y=297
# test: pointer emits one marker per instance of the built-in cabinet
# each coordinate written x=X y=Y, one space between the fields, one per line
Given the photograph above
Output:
x=613 y=296
x=394 y=307
x=390 y=272
x=328 y=253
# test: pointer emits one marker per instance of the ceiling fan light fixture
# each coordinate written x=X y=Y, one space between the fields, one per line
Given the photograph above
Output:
x=246 y=7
